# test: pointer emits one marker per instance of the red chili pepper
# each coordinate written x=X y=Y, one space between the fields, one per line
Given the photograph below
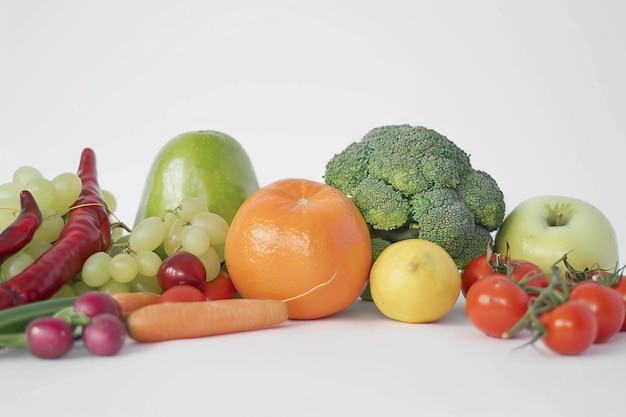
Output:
x=86 y=231
x=20 y=232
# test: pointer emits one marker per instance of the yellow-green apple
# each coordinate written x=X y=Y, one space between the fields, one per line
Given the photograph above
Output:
x=544 y=228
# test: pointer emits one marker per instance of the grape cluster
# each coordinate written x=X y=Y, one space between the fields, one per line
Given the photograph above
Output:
x=53 y=196
x=132 y=262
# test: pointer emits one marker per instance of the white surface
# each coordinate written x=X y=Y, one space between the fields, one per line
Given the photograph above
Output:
x=357 y=363
x=533 y=90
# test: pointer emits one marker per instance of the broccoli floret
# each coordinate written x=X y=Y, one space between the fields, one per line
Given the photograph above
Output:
x=476 y=246
x=347 y=169
x=480 y=192
x=440 y=216
x=378 y=246
x=414 y=182
x=380 y=204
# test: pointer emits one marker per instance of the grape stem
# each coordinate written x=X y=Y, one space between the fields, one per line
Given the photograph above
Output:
x=122 y=225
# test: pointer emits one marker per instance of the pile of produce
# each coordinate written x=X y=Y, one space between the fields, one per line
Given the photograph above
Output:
x=402 y=220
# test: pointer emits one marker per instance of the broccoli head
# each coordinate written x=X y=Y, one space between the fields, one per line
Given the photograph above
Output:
x=414 y=182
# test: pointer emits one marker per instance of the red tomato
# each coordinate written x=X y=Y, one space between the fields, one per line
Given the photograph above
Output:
x=181 y=293
x=571 y=327
x=605 y=303
x=221 y=287
x=181 y=268
x=620 y=287
x=524 y=270
x=479 y=268
x=476 y=269
x=494 y=304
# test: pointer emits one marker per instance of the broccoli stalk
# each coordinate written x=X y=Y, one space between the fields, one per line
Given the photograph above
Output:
x=413 y=182
x=378 y=246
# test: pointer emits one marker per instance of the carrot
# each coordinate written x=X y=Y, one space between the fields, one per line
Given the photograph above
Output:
x=131 y=301
x=183 y=320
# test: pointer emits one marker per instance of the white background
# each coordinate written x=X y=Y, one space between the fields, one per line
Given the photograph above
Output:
x=533 y=90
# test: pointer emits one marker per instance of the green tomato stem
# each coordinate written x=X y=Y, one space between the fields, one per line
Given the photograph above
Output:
x=544 y=302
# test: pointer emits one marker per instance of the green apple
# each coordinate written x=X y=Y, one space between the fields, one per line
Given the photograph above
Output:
x=205 y=164
x=544 y=228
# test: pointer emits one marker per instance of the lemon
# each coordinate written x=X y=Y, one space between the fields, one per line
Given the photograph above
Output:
x=415 y=281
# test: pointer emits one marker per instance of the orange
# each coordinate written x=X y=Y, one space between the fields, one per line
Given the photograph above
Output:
x=300 y=241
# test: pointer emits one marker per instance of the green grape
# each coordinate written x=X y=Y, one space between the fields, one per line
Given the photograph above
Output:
x=7 y=215
x=119 y=235
x=147 y=235
x=37 y=247
x=68 y=187
x=109 y=199
x=148 y=263
x=195 y=240
x=9 y=190
x=172 y=242
x=189 y=207
x=51 y=225
x=211 y=262
x=64 y=292
x=80 y=287
x=24 y=174
x=16 y=264
x=145 y=283
x=123 y=267
x=96 y=269
x=43 y=190
x=9 y=207
x=220 y=251
x=214 y=224
x=10 y=204
x=114 y=287
x=123 y=240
